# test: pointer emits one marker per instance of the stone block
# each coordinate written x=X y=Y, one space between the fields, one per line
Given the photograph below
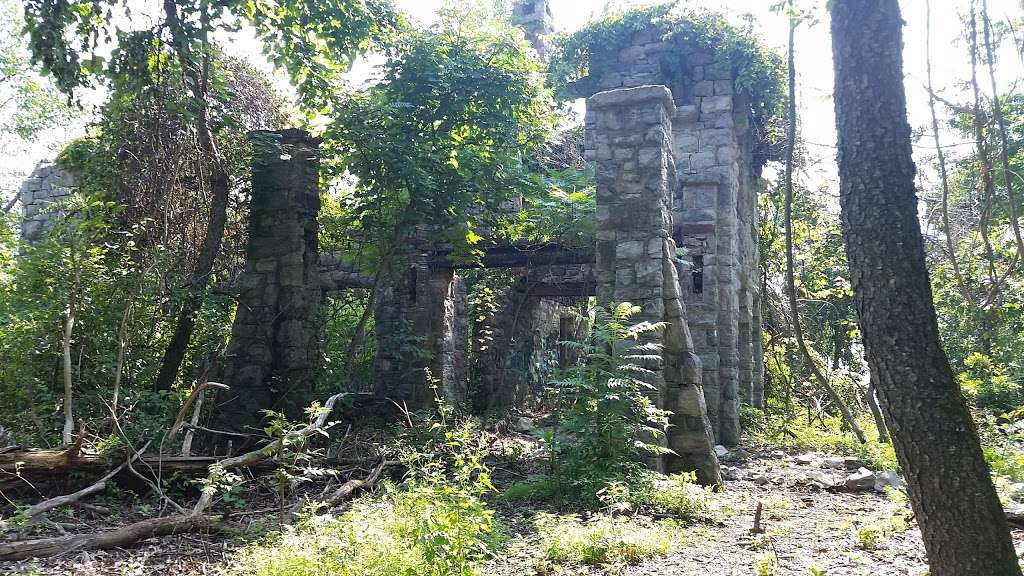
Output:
x=711 y=104
x=704 y=88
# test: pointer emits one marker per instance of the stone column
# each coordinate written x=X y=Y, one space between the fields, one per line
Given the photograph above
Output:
x=757 y=351
x=273 y=353
x=631 y=133
x=536 y=20
x=707 y=146
x=421 y=329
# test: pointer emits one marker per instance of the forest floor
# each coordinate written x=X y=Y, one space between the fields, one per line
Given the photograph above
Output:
x=807 y=530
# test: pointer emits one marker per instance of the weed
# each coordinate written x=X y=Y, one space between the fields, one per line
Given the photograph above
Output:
x=603 y=540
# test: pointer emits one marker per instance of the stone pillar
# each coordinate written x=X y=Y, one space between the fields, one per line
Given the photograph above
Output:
x=273 y=354
x=757 y=351
x=41 y=195
x=421 y=330
x=536 y=20
x=707 y=144
x=631 y=135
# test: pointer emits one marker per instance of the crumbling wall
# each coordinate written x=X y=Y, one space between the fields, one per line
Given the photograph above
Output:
x=273 y=353
x=421 y=328
x=515 y=348
x=631 y=135
x=47 y=187
x=714 y=209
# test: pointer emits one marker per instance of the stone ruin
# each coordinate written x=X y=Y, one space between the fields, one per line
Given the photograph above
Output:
x=676 y=234
x=42 y=193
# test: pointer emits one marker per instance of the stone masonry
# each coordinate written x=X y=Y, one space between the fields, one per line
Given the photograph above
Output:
x=47 y=187
x=714 y=208
x=636 y=256
x=421 y=328
x=273 y=353
x=536 y=20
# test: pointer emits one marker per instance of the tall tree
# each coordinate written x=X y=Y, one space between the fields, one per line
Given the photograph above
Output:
x=964 y=527
x=315 y=40
x=791 y=294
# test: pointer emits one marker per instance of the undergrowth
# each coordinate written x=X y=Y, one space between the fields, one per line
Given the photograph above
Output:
x=413 y=530
x=603 y=540
x=827 y=438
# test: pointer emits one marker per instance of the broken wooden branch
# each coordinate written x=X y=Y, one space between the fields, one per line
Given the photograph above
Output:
x=123 y=536
x=344 y=492
x=196 y=393
x=267 y=451
x=46 y=505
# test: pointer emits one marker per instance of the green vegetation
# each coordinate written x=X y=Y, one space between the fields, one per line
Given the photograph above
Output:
x=603 y=540
x=606 y=421
x=416 y=530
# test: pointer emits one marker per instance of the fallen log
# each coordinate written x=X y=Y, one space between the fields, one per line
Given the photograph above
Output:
x=37 y=462
x=97 y=487
x=123 y=536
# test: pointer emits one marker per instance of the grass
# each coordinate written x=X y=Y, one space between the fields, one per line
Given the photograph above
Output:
x=829 y=439
x=407 y=531
x=675 y=495
x=604 y=540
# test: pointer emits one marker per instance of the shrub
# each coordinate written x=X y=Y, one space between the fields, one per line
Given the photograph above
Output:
x=987 y=386
x=603 y=540
x=435 y=523
x=607 y=421
x=415 y=530
x=676 y=495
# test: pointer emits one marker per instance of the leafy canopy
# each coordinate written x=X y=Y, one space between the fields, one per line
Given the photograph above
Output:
x=314 y=40
x=444 y=138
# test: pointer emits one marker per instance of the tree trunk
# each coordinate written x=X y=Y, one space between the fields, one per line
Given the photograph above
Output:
x=871 y=397
x=69 y=326
x=963 y=526
x=220 y=188
x=794 y=307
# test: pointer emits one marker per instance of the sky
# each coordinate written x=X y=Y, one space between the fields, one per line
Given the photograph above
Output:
x=813 y=64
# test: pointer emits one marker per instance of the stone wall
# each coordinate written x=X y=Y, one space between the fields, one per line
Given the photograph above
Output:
x=47 y=186
x=714 y=209
x=273 y=353
x=631 y=133
x=421 y=328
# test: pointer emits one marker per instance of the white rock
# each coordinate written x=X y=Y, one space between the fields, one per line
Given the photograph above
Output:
x=888 y=478
x=804 y=459
x=853 y=463
x=862 y=479
x=819 y=478
x=732 y=473
x=833 y=462
x=720 y=450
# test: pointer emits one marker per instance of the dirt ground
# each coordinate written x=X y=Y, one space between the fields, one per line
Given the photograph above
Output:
x=804 y=526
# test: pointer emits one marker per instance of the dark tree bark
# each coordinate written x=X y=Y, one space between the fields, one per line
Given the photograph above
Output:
x=220 y=188
x=965 y=531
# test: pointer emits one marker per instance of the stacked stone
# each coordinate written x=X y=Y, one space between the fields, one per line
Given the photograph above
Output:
x=421 y=327
x=536 y=20
x=47 y=186
x=715 y=210
x=631 y=135
x=273 y=353
x=516 y=348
